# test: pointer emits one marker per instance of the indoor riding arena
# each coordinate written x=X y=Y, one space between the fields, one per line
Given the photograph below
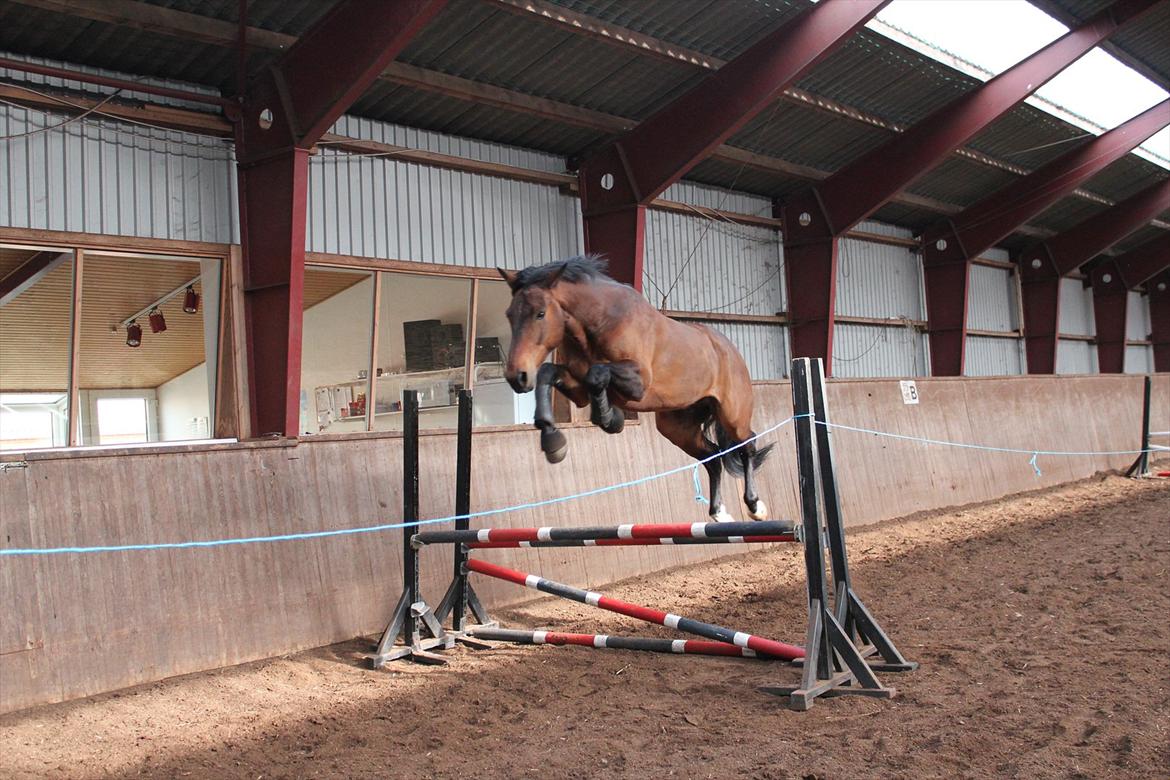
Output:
x=616 y=388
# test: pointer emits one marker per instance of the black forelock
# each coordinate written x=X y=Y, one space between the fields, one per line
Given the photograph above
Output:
x=576 y=269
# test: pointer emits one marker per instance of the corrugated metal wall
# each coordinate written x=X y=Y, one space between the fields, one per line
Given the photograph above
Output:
x=1139 y=359
x=114 y=178
x=386 y=208
x=989 y=356
x=695 y=263
x=1076 y=317
x=99 y=176
x=991 y=305
x=885 y=282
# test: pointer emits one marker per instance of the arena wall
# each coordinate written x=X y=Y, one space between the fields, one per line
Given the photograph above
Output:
x=77 y=625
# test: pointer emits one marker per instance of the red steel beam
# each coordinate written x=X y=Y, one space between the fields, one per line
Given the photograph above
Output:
x=285 y=111
x=1159 y=292
x=949 y=246
x=815 y=218
x=29 y=273
x=1072 y=248
x=860 y=188
x=619 y=180
x=1145 y=261
x=1110 y=297
x=1040 y=301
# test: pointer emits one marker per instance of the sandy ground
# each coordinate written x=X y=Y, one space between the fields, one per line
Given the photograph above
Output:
x=1040 y=622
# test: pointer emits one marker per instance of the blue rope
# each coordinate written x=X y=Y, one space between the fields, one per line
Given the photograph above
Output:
x=385 y=526
x=550 y=501
x=962 y=445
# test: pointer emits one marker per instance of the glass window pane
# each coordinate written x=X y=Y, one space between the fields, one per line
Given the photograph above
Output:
x=495 y=402
x=335 y=357
x=166 y=376
x=35 y=329
x=121 y=420
x=422 y=335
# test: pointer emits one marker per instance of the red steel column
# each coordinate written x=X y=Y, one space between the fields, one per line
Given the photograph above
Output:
x=1040 y=289
x=1159 y=290
x=284 y=111
x=946 y=274
x=1109 y=304
x=810 y=267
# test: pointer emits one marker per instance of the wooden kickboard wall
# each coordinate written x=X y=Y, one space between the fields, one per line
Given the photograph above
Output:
x=76 y=625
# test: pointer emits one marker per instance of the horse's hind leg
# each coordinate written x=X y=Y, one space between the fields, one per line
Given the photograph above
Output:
x=749 y=455
x=684 y=429
x=756 y=507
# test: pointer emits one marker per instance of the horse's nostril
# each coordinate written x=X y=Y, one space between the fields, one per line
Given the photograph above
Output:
x=522 y=378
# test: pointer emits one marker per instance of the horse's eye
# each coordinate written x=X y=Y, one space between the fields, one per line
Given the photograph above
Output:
x=540 y=315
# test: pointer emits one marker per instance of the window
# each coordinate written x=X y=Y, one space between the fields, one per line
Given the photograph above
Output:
x=106 y=347
x=370 y=336
x=36 y=324
x=33 y=420
x=335 y=356
x=149 y=330
x=121 y=420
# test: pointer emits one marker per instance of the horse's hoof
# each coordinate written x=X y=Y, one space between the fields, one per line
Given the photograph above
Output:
x=760 y=512
x=616 y=424
x=554 y=445
x=721 y=515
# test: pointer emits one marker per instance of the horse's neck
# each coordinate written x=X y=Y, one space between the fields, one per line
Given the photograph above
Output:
x=592 y=309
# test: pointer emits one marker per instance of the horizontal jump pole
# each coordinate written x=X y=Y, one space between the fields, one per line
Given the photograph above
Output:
x=683 y=646
x=636 y=531
x=658 y=617
x=633 y=542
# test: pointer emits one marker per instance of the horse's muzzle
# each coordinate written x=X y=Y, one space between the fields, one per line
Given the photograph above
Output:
x=521 y=381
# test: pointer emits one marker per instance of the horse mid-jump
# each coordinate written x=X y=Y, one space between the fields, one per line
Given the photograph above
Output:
x=620 y=353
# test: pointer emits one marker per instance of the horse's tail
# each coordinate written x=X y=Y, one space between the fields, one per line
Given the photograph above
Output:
x=733 y=461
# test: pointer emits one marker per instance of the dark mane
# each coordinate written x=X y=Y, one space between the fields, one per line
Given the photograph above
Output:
x=576 y=269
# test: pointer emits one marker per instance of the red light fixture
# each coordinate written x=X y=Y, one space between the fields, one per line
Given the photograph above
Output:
x=191 y=301
x=158 y=323
x=133 y=334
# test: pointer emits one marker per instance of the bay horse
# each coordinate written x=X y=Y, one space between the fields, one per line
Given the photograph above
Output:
x=620 y=353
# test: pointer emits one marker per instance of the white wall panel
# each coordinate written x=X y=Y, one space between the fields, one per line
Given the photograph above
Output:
x=100 y=176
x=1137 y=316
x=1076 y=308
x=877 y=351
x=991 y=299
x=764 y=347
x=1139 y=359
x=990 y=356
x=1076 y=357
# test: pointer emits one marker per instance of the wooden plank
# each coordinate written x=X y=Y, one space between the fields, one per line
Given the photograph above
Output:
x=200 y=122
x=714 y=316
x=75 y=316
x=900 y=322
x=111 y=244
x=996 y=334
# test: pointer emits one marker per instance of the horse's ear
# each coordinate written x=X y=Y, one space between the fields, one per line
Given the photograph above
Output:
x=555 y=276
x=510 y=277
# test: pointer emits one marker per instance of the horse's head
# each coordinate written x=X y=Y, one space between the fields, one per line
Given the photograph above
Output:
x=538 y=326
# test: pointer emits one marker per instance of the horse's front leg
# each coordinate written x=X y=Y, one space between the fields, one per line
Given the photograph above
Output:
x=625 y=378
x=552 y=442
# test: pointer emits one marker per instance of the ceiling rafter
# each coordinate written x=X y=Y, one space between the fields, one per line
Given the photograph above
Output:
x=625 y=38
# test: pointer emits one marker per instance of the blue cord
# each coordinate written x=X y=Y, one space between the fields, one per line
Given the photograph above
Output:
x=550 y=501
